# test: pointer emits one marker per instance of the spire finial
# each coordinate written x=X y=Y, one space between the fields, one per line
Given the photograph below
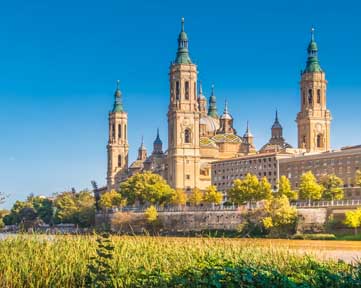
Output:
x=212 y=93
x=118 y=82
x=312 y=33
x=157 y=132
x=276 y=120
x=182 y=24
x=247 y=127
x=225 y=107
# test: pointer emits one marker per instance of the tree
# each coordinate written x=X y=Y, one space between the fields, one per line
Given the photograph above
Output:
x=284 y=188
x=196 y=197
x=110 y=199
x=179 y=197
x=333 y=187
x=14 y=218
x=146 y=188
x=279 y=215
x=309 y=189
x=212 y=196
x=353 y=219
x=44 y=208
x=244 y=190
x=76 y=208
x=151 y=214
x=358 y=178
x=265 y=189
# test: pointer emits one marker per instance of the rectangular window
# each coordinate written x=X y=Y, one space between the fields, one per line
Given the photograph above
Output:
x=119 y=131
x=177 y=90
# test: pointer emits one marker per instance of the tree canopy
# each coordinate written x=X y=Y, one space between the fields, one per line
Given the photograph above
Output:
x=353 y=219
x=111 y=199
x=212 y=196
x=284 y=188
x=333 y=187
x=196 y=197
x=309 y=189
x=146 y=188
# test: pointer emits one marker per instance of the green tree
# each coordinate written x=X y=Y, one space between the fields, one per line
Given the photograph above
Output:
x=44 y=208
x=196 y=197
x=76 y=208
x=333 y=187
x=151 y=214
x=110 y=199
x=146 y=188
x=284 y=188
x=309 y=189
x=179 y=197
x=245 y=190
x=212 y=196
x=265 y=189
x=14 y=217
x=279 y=215
x=353 y=219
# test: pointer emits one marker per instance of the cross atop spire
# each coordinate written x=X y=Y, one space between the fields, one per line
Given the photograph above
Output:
x=312 y=64
x=118 y=105
x=182 y=53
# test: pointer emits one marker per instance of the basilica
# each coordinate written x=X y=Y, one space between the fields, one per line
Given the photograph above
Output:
x=199 y=135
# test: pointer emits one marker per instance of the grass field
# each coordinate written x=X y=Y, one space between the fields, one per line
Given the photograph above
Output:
x=61 y=261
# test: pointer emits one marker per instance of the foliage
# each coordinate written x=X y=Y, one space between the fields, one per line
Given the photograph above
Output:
x=353 y=219
x=309 y=189
x=265 y=189
x=244 y=190
x=110 y=199
x=14 y=216
x=179 y=197
x=196 y=197
x=64 y=261
x=151 y=214
x=76 y=208
x=285 y=188
x=279 y=215
x=212 y=196
x=317 y=236
x=333 y=187
x=146 y=188
x=3 y=213
x=44 y=208
x=100 y=271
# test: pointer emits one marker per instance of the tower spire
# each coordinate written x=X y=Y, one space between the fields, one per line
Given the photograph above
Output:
x=118 y=105
x=200 y=88
x=312 y=64
x=182 y=53
x=212 y=110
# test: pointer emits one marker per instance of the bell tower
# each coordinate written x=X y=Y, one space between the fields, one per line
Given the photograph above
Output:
x=314 y=119
x=183 y=120
x=117 y=143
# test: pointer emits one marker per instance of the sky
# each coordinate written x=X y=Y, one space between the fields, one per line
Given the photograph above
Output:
x=59 y=62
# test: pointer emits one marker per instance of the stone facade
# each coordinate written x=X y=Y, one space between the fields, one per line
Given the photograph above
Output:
x=342 y=163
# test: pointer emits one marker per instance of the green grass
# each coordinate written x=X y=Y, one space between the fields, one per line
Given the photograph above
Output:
x=61 y=261
x=318 y=236
x=349 y=237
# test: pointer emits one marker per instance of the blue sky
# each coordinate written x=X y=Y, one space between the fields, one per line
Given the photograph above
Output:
x=59 y=62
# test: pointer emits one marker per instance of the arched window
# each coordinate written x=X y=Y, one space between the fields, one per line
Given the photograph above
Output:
x=187 y=136
x=186 y=90
x=310 y=96
x=195 y=91
x=318 y=96
x=125 y=131
x=319 y=141
x=119 y=160
x=119 y=131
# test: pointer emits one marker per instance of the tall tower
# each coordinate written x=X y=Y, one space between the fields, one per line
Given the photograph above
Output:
x=117 y=143
x=183 y=120
x=314 y=119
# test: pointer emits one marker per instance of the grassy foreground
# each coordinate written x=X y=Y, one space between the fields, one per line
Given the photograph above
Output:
x=61 y=261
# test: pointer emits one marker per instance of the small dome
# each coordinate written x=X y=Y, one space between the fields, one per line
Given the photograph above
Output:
x=212 y=124
x=312 y=46
x=226 y=116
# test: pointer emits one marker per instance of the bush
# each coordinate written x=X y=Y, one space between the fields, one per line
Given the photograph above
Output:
x=314 y=237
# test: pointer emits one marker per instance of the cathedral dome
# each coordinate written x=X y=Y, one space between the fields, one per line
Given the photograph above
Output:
x=212 y=124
